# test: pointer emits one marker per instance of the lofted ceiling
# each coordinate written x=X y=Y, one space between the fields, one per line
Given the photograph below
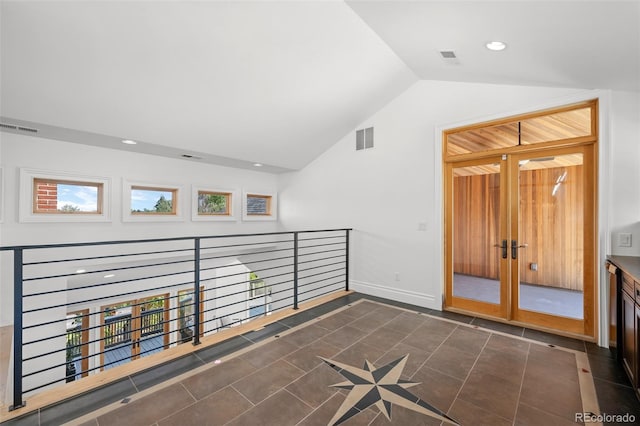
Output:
x=278 y=82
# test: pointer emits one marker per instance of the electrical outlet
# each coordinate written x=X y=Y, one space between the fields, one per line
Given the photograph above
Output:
x=397 y=276
x=533 y=266
x=624 y=239
x=422 y=226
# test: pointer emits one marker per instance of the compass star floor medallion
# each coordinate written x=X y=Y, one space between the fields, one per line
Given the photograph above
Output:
x=380 y=386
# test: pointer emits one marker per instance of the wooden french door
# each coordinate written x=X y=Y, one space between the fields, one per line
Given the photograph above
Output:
x=521 y=238
x=520 y=231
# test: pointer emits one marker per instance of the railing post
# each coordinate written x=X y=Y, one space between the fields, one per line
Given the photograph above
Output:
x=346 y=272
x=17 y=330
x=196 y=292
x=295 y=270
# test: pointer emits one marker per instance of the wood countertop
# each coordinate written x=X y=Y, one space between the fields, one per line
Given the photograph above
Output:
x=629 y=264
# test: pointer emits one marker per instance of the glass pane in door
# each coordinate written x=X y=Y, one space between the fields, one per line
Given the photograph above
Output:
x=152 y=325
x=118 y=334
x=476 y=233
x=186 y=316
x=551 y=245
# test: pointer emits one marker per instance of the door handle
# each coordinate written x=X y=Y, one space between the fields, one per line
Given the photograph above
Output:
x=503 y=247
x=515 y=247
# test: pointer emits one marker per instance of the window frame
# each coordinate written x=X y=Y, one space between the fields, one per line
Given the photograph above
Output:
x=1 y=194
x=272 y=205
x=99 y=196
x=28 y=211
x=129 y=216
x=232 y=205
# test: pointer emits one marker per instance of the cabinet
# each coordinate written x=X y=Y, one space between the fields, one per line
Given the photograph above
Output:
x=629 y=344
x=636 y=383
x=627 y=280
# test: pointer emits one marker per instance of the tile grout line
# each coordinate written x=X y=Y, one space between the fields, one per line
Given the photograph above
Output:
x=524 y=371
x=423 y=365
x=464 y=382
x=195 y=401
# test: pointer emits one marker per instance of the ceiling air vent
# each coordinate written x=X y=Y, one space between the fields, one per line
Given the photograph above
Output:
x=364 y=138
x=448 y=54
x=21 y=128
x=8 y=126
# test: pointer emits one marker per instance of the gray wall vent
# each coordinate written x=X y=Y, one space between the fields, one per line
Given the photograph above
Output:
x=364 y=138
x=15 y=127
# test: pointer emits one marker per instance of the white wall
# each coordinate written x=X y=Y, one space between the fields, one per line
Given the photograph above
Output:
x=386 y=193
x=624 y=212
x=17 y=151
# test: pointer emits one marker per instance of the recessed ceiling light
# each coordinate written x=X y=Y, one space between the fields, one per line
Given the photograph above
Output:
x=129 y=142
x=110 y=275
x=80 y=271
x=257 y=165
x=496 y=45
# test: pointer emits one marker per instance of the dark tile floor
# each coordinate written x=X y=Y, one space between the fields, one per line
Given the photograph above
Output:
x=474 y=376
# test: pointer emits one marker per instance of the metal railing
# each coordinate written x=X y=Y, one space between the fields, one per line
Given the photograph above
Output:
x=135 y=298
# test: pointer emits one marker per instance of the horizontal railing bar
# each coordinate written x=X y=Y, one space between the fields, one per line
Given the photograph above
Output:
x=322 y=238
x=318 y=295
x=321 y=259
x=243 y=282
x=65 y=363
x=90 y=314
x=253 y=261
x=321 y=245
x=101 y=271
x=190 y=250
x=104 y=284
x=157 y=240
x=170 y=309
x=320 y=273
x=243 y=254
x=82 y=330
x=102 y=325
x=320 y=280
x=321 y=266
x=106 y=297
x=255 y=270
x=320 y=252
x=321 y=287
x=105 y=257
x=323 y=230
x=246 y=244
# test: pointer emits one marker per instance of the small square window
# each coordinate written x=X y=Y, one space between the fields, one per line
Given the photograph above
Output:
x=214 y=203
x=259 y=206
x=153 y=201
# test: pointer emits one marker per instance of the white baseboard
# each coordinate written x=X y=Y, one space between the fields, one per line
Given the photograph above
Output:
x=405 y=296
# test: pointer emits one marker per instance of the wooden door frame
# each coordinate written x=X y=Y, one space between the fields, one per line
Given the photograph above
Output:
x=590 y=322
x=201 y=328
x=499 y=311
x=84 y=339
x=586 y=326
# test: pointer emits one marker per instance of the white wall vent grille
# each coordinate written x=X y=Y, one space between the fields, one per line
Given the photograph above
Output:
x=364 y=138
